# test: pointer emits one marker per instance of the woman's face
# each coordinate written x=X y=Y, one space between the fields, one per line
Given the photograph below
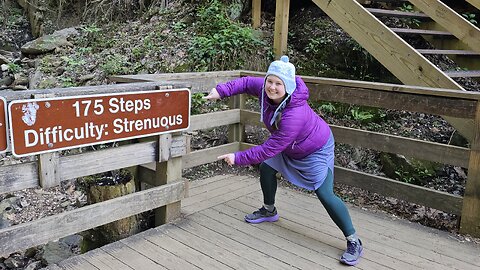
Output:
x=275 y=89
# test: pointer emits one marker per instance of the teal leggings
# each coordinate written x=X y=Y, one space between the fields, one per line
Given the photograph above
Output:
x=332 y=203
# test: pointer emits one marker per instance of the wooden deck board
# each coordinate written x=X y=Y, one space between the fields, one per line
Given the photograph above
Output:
x=213 y=235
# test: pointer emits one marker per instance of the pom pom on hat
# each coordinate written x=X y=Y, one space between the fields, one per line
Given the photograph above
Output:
x=284 y=70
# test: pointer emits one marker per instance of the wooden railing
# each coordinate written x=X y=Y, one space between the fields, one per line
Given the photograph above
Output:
x=162 y=159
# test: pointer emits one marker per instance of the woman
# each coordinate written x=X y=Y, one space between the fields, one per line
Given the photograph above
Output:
x=301 y=147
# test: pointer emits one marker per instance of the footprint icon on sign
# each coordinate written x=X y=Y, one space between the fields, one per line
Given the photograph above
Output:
x=30 y=113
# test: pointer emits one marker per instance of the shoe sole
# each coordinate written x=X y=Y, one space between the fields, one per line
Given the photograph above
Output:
x=353 y=262
x=260 y=220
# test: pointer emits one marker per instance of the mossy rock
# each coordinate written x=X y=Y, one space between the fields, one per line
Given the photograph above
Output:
x=409 y=170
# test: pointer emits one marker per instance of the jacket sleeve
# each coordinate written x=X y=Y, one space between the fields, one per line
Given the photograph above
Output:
x=279 y=140
x=245 y=85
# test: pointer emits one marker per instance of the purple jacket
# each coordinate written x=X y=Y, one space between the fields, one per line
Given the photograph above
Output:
x=301 y=131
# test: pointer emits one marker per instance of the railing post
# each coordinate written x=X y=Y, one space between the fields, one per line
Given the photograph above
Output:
x=48 y=162
x=236 y=132
x=470 y=220
x=168 y=170
x=256 y=13
x=281 y=27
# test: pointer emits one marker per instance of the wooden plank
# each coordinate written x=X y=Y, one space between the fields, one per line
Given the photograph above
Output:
x=208 y=233
x=269 y=244
x=450 y=107
x=452 y=21
x=412 y=193
x=470 y=220
x=166 y=172
x=448 y=52
x=104 y=261
x=413 y=31
x=198 y=82
x=256 y=13
x=208 y=155
x=463 y=73
x=10 y=95
x=281 y=27
x=389 y=87
x=76 y=263
x=18 y=176
x=398 y=14
x=221 y=254
x=328 y=246
x=116 y=157
x=130 y=257
x=203 y=201
x=236 y=132
x=156 y=253
x=48 y=169
x=437 y=152
x=475 y=3
x=215 y=119
x=187 y=253
x=446 y=154
x=23 y=236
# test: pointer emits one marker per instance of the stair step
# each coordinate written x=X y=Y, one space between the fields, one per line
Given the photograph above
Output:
x=447 y=52
x=421 y=32
x=463 y=73
x=398 y=13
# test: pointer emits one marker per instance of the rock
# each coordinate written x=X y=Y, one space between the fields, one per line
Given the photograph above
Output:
x=6 y=81
x=49 y=43
x=54 y=252
x=87 y=77
x=4 y=223
x=34 y=265
x=4 y=67
x=9 y=205
x=20 y=79
x=14 y=262
x=19 y=88
x=4 y=60
x=35 y=79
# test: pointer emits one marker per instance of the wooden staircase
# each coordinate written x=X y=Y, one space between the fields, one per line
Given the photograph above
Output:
x=447 y=31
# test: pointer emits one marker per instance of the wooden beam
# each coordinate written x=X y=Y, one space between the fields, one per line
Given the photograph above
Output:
x=475 y=3
x=18 y=176
x=281 y=27
x=256 y=13
x=26 y=235
x=215 y=119
x=431 y=151
x=388 y=48
x=48 y=169
x=236 y=132
x=389 y=87
x=470 y=220
x=452 y=21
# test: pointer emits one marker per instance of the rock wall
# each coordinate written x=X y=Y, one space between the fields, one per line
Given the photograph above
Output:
x=35 y=10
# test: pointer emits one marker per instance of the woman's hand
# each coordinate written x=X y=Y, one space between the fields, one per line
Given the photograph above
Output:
x=229 y=158
x=213 y=95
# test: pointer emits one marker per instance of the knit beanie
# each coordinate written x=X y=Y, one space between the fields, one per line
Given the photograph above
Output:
x=285 y=71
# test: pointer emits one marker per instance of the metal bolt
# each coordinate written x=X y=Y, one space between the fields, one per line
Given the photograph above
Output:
x=47 y=104
x=167 y=94
x=50 y=145
x=167 y=127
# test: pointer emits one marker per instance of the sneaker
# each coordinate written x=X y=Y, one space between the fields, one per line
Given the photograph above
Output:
x=353 y=253
x=262 y=215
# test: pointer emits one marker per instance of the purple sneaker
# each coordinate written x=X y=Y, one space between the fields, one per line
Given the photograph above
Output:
x=353 y=253
x=262 y=215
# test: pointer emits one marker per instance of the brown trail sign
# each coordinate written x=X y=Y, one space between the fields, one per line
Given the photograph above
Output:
x=52 y=124
x=3 y=125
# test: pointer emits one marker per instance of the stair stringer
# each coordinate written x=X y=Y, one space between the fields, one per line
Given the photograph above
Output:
x=401 y=59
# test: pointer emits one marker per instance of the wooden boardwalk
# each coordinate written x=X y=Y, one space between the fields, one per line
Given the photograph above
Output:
x=213 y=235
